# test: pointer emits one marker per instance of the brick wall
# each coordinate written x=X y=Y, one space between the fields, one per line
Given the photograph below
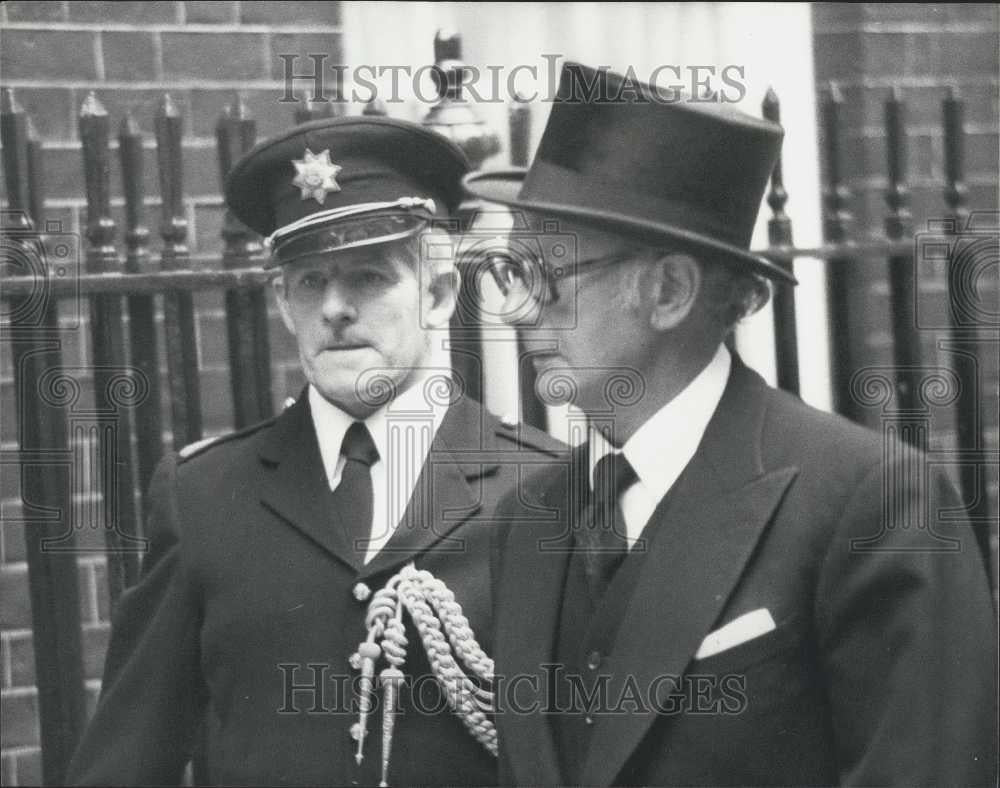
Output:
x=922 y=49
x=130 y=53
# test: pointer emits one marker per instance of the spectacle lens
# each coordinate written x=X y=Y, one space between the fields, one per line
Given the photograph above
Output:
x=523 y=277
x=509 y=274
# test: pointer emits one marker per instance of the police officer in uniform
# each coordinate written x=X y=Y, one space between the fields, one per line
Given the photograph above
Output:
x=249 y=632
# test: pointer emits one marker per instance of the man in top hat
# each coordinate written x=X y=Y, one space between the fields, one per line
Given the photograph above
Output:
x=711 y=592
x=250 y=632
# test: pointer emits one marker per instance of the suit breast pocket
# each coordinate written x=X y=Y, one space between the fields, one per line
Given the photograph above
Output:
x=766 y=673
x=751 y=652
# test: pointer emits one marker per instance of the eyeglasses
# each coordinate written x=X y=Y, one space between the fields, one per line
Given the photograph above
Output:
x=526 y=278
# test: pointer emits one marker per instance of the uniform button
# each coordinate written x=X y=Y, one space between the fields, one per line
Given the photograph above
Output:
x=362 y=592
x=589 y=720
x=594 y=660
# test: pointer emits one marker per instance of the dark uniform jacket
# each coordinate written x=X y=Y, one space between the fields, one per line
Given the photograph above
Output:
x=881 y=668
x=246 y=614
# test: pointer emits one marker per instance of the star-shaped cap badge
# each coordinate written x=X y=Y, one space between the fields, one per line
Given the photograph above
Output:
x=315 y=175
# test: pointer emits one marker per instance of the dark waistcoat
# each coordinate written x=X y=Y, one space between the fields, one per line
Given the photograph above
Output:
x=585 y=640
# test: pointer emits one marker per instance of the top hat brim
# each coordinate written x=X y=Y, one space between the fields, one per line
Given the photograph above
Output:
x=504 y=186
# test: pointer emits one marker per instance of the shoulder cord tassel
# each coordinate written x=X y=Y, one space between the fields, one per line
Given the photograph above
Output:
x=444 y=631
x=382 y=605
x=392 y=678
x=369 y=652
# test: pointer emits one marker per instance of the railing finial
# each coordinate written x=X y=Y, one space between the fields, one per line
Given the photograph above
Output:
x=94 y=127
x=168 y=107
x=955 y=190
x=897 y=194
x=9 y=104
x=779 y=233
x=836 y=195
x=779 y=226
x=92 y=107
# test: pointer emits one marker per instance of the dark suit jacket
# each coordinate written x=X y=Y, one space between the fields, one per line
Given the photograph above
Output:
x=247 y=590
x=882 y=666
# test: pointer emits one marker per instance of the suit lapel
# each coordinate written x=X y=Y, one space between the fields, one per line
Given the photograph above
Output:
x=693 y=565
x=447 y=492
x=294 y=484
x=529 y=598
x=700 y=540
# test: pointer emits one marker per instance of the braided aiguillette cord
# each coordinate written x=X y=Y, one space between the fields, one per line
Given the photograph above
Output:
x=422 y=595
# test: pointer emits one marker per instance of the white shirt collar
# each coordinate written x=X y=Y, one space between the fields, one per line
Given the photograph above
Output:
x=403 y=431
x=663 y=446
x=331 y=423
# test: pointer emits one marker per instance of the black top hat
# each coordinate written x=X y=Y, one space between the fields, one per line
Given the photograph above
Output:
x=628 y=158
x=339 y=183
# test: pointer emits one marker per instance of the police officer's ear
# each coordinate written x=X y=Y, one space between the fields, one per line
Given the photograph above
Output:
x=675 y=283
x=281 y=298
x=439 y=279
x=440 y=295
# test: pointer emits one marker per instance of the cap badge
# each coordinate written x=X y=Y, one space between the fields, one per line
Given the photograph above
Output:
x=315 y=175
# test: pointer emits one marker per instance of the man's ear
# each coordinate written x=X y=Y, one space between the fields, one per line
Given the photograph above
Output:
x=675 y=287
x=441 y=296
x=281 y=297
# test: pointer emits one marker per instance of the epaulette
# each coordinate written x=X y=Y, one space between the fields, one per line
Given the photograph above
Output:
x=526 y=435
x=198 y=447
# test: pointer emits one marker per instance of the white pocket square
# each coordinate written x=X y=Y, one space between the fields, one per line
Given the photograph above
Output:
x=747 y=627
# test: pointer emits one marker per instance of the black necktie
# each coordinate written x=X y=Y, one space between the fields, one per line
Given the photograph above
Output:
x=602 y=532
x=353 y=496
